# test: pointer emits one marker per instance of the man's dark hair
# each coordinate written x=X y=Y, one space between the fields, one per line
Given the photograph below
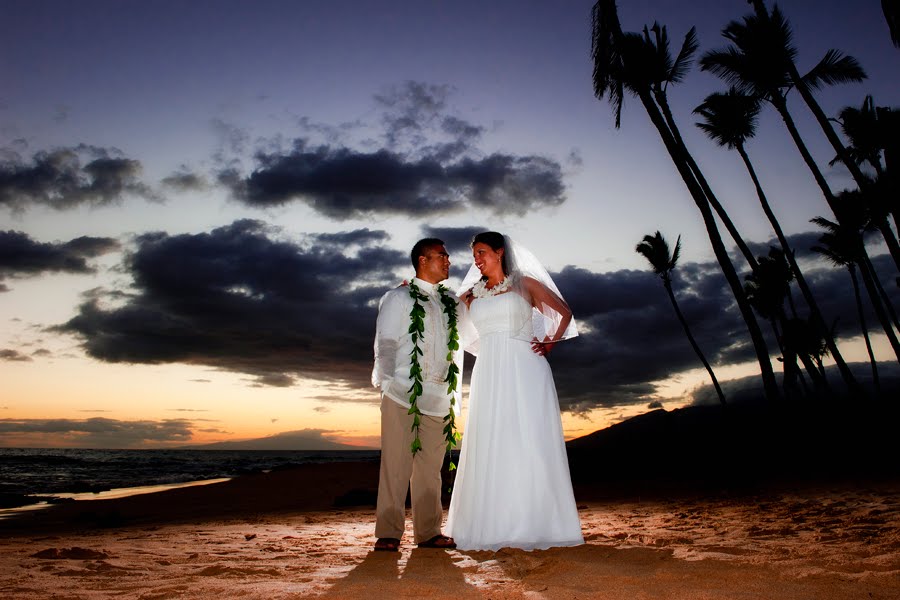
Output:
x=420 y=247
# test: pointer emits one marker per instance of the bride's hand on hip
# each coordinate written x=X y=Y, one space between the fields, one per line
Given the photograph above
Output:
x=541 y=348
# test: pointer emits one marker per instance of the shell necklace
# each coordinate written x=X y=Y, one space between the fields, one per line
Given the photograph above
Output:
x=480 y=289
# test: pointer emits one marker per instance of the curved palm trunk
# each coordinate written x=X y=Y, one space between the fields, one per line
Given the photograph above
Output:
x=678 y=155
x=668 y=285
x=814 y=310
x=891 y=121
x=868 y=276
x=865 y=330
x=888 y=305
x=662 y=101
x=891 y=241
x=861 y=180
x=781 y=106
x=885 y=299
x=792 y=375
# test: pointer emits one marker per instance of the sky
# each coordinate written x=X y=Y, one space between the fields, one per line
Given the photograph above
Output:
x=201 y=204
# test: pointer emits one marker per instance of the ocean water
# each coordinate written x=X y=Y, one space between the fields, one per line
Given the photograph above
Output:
x=65 y=471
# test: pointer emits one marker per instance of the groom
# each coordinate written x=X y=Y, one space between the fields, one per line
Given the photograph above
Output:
x=401 y=469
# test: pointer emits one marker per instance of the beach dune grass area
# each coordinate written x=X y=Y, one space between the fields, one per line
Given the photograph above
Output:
x=657 y=532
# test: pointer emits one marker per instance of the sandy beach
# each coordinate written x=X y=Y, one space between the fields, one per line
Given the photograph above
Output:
x=307 y=532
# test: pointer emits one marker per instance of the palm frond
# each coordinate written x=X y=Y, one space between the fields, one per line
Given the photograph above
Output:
x=656 y=250
x=730 y=118
x=675 y=254
x=831 y=254
x=727 y=64
x=825 y=224
x=758 y=60
x=605 y=55
x=654 y=51
x=834 y=68
x=682 y=64
x=782 y=33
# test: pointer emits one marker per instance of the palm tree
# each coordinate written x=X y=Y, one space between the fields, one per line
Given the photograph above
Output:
x=871 y=134
x=625 y=62
x=656 y=250
x=666 y=71
x=833 y=68
x=810 y=346
x=767 y=287
x=838 y=247
x=861 y=127
x=849 y=230
x=758 y=64
x=730 y=120
x=889 y=122
x=891 y=10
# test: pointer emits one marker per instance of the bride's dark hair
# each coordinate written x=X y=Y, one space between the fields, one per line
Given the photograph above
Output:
x=496 y=241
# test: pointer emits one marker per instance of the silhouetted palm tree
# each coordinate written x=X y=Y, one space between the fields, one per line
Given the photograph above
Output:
x=891 y=10
x=849 y=229
x=626 y=62
x=730 y=120
x=767 y=288
x=889 y=123
x=665 y=70
x=837 y=246
x=834 y=68
x=758 y=63
x=871 y=133
x=809 y=344
x=656 y=250
x=861 y=127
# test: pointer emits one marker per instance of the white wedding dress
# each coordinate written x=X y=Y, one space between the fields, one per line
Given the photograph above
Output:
x=512 y=487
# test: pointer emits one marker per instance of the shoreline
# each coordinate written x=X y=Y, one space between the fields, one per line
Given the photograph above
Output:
x=36 y=502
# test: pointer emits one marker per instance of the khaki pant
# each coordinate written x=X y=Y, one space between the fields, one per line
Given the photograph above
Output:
x=400 y=470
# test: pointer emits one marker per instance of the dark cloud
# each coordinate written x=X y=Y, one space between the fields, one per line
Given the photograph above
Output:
x=98 y=432
x=456 y=239
x=67 y=177
x=411 y=109
x=631 y=337
x=275 y=380
x=342 y=184
x=429 y=164
x=357 y=237
x=13 y=355
x=241 y=299
x=238 y=300
x=186 y=181
x=21 y=256
x=506 y=184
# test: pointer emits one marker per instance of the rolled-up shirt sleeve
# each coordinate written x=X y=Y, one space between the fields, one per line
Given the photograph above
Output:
x=391 y=324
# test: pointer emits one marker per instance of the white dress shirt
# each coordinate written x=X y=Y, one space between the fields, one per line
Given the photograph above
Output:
x=394 y=346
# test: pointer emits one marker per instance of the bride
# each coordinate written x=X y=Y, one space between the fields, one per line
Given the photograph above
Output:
x=513 y=487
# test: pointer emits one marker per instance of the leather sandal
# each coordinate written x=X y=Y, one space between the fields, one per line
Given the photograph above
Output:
x=439 y=541
x=387 y=545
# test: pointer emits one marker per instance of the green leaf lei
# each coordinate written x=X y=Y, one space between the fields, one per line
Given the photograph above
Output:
x=417 y=332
